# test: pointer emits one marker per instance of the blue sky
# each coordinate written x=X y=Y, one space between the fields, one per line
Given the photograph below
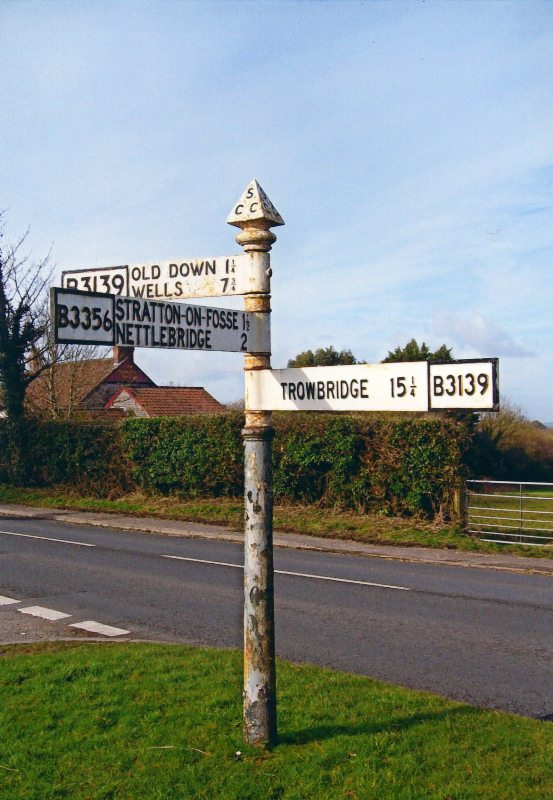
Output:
x=407 y=145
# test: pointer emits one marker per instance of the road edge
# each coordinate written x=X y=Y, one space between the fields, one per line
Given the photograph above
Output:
x=193 y=530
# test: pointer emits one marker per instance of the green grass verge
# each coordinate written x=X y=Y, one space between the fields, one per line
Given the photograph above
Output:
x=157 y=722
x=309 y=520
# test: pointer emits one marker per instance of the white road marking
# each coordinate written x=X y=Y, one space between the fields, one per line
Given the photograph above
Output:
x=45 y=613
x=47 y=538
x=342 y=580
x=205 y=561
x=295 y=574
x=97 y=627
x=7 y=601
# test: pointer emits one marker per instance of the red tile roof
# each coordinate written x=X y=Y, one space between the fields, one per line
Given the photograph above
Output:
x=70 y=382
x=170 y=401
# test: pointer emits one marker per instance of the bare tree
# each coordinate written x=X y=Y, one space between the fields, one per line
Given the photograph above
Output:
x=23 y=325
x=23 y=321
x=502 y=427
x=60 y=390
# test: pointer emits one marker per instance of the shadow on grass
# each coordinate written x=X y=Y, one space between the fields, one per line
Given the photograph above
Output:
x=322 y=732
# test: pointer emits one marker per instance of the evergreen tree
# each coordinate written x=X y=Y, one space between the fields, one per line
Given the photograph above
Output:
x=412 y=351
x=323 y=357
x=23 y=326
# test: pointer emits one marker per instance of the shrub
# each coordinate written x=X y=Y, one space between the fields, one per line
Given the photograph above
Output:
x=195 y=455
x=86 y=455
x=507 y=446
x=364 y=462
x=370 y=462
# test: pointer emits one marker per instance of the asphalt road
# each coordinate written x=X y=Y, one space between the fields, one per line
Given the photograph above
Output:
x=476 y=635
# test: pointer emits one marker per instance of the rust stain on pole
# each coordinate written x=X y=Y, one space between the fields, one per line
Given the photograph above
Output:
x=254 y=214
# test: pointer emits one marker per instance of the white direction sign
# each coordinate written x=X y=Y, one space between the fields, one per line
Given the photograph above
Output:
x=95 y=318
x=401 y=386
x=360 y=387
x=181 y=279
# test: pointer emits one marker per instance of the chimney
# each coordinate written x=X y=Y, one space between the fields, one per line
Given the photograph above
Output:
x=120 y=353
x=36 y=360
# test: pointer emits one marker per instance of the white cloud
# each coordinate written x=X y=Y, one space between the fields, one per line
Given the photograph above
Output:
x=483 y=336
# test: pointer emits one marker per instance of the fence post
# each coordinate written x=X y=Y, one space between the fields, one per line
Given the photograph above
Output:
x=459 y=503
x=521 y=523
x=255 y=215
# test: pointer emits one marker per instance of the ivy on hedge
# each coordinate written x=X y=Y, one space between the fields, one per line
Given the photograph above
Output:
x=366 y=462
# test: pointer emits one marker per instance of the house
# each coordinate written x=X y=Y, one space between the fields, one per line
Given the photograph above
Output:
x=113 y=387
x=164 y=401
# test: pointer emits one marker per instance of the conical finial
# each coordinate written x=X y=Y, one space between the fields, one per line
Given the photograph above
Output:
x=254 y=206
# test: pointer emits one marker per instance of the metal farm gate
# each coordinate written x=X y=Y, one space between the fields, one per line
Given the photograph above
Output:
x=510 y=512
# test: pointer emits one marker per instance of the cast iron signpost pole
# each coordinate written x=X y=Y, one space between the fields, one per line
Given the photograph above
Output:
x=91 y=309
x=255 y=215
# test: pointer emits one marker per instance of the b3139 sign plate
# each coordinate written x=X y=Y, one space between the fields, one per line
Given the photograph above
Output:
x=401 y=386
x=470 y=384
x=95 y=318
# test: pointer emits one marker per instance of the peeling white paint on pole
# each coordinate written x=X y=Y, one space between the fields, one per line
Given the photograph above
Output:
x=255 y=215
x=260 y=724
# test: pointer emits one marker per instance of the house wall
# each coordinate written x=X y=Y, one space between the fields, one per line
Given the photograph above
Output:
x=126 y=374
x=129 y=405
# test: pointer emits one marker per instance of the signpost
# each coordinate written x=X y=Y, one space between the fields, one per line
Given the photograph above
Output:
x=254 y=214
x=401 y=386
x=126 y=305
x=123 y=305
x=93 y=318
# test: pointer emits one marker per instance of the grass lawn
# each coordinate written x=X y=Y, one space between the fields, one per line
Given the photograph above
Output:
x=309 y=520
x=146 y=722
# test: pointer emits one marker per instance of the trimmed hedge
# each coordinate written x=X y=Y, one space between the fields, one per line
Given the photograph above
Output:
x=199 y=455
x=404 y=466
x=400 y=466
x=87 y=455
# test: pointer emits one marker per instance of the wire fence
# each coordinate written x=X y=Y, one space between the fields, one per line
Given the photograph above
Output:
x=510 y=512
